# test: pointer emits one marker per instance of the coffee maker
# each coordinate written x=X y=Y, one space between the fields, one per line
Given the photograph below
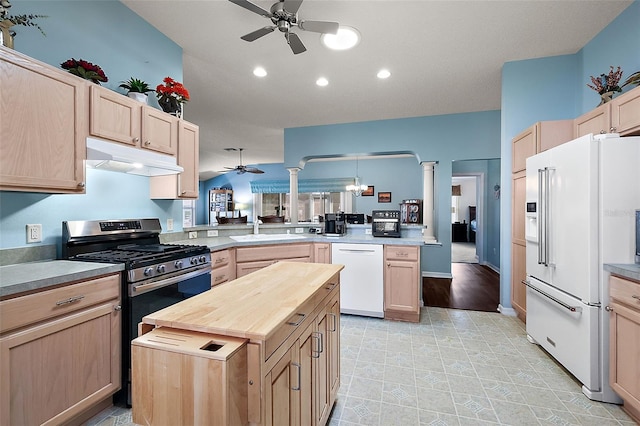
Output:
x=334 y=224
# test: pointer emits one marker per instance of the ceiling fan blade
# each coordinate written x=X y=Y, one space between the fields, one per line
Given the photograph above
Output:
x=253 y=170
x=292 y=6
x=295 y=43
x=320 y=27
x=252 y=7
x=258 y=33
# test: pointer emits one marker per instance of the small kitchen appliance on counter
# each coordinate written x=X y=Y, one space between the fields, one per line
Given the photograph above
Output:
x=355 y=218
x=155 y=276
x=411 y=211
x=385 y=223
x=335 y=225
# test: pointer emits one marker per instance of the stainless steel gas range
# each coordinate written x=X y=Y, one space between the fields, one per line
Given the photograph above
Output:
x=155 y=276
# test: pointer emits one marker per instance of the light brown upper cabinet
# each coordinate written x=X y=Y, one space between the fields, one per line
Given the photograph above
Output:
x=183 y=185
x=621 y=115
x=44 y=125
x=120 y=119
x=542 y=136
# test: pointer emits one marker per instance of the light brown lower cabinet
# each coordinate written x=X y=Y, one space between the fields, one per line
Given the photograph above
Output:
x=624 y=345
x=223 y=266
x=60 y=352
x=402 y=283
x=302 y=386
x=322 y=252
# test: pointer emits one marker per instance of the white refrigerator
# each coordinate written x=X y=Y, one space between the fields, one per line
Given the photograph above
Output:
x=580 y=203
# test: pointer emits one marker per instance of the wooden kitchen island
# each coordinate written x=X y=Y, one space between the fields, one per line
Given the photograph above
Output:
x=262 y=349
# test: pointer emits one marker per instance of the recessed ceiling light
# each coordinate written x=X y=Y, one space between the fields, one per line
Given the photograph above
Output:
x=259 y=72
x=347 y=38
x=322 y=82
x=382 y=74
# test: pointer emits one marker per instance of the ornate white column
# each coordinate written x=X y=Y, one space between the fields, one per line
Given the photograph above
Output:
x=428 y=201
x=293 y=194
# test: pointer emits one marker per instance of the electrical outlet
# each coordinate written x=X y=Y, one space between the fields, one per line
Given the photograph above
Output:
x=299 y=230
x=169 y=224
x=193 y=234
x=212 y=233
x=34 y=233
x=367 y=231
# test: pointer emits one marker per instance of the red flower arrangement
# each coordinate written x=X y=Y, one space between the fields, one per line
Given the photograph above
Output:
x=172 y=88
x=85 y=69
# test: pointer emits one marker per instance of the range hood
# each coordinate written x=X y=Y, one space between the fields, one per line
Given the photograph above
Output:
x=103 y=155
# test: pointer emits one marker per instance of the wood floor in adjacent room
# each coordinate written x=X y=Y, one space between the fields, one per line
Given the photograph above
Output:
x=473 y=287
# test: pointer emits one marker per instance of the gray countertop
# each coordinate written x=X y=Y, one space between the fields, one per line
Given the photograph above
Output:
x=23 y=277
x=631 y=271
x=219 y=243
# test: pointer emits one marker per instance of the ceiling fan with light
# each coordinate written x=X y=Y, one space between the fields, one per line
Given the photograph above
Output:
x=284 y=16
x=240 y=169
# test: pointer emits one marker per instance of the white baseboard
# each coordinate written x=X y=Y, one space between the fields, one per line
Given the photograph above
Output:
x=428 y=274
x=510 y=312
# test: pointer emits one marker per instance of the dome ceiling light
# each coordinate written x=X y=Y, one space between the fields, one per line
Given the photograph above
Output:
x=260 y=72
x=384 y=73
x=347 y=38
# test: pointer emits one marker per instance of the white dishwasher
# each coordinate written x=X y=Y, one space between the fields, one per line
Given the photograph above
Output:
x=361 y=280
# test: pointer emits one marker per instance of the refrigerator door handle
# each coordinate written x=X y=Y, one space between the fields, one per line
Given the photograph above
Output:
x=548 y=219
x=550 y=297
x=540 y=217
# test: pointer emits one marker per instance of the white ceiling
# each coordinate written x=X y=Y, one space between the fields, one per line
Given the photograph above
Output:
x=445 y=57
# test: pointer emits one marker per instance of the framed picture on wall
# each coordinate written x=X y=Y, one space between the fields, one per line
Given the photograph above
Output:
x=384 y=197
x=368 y=192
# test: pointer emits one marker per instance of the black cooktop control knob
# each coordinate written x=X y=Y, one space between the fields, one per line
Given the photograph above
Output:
x=160 y=269
x=178 y=264
x=148 y=272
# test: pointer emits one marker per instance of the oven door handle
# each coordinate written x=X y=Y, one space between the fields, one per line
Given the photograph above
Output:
x=143 y=288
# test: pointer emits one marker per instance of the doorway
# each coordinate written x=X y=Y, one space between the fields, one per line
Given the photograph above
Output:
x=466 y=193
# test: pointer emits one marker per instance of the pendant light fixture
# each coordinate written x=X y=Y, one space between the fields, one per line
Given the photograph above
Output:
x=357 y=188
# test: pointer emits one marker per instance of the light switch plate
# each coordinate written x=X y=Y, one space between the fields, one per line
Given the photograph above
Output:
x=193 y=234
x=299 y=230
x=169 y=224
x=212 y=233
x=367 y=231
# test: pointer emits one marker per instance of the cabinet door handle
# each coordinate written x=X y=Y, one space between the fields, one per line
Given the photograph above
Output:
x=299 y=367
x=80 y=184
x=635 y=297
x=147 y=143
x=297 y=323
x=319 y=346
x=69 y=300
x=117 y=308
x=608 y=308
x=335 y=323
x=136 y=140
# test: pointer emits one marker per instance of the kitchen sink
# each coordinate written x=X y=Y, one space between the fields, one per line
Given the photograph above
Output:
x=265 y=237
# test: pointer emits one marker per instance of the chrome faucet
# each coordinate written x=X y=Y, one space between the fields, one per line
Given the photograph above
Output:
x=256 y=224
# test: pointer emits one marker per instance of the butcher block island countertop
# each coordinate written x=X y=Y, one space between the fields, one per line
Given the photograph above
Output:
x=277 y=332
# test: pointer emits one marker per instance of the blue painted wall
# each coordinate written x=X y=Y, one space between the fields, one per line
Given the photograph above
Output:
x=555 y=88
x=109 y=34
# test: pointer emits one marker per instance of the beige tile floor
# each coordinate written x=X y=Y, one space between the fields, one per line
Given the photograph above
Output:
x=454 y=368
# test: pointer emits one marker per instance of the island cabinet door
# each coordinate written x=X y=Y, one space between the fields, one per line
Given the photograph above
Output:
x=333 y=350
x=281 y=400
x=321 y=364
x=306 y=376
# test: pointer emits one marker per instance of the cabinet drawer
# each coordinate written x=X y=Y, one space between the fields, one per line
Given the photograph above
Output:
x=36 y=307
x=220 y=275
x=401 y=252
x=298 y=320
x=220 y=258
x=624 y=291
x=273 y=252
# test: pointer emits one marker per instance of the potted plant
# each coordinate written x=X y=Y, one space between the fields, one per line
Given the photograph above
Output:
x=7 y=21
x=137 y=89
x=85 y=69
x=171 y=96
